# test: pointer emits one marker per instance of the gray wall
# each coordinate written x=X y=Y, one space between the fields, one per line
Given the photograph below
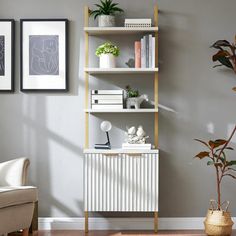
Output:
x=49 y=128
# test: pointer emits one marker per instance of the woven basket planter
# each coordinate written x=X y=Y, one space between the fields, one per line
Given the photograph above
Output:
x=218 y=223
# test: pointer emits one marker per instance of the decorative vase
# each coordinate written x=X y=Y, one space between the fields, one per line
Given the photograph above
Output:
x=107 y=61
x=106 y=21
x=218 y=222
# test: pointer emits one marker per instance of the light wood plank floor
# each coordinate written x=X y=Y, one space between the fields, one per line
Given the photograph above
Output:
x=118 y=233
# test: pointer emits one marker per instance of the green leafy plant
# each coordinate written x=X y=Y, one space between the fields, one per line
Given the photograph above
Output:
x=131 y=93
x=216 y=153
x=107 y=48
x=107 y=7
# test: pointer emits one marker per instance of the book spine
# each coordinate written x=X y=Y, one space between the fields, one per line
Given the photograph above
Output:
x=142 y=54
x=137 y=50
x=146 y=37
x=107 y=97
x=100 y=107
x=150 y=51
x=105 y=101
x=138 y=21
x=153 y=52
x=104 y=92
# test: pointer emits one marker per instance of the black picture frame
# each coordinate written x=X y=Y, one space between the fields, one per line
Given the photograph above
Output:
x=66 y=35
x=11 y=78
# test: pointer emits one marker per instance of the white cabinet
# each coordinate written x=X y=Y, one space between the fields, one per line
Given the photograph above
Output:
x=121 y=181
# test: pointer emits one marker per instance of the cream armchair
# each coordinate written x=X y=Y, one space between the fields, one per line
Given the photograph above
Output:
x=16 y=200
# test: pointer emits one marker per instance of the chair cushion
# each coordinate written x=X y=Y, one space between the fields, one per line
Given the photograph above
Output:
x=13 y=196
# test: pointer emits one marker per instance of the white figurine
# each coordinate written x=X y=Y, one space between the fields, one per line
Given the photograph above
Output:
x=136 y=101
x=134 y=137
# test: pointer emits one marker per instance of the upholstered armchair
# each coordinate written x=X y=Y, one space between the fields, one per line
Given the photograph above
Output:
x=17 y=201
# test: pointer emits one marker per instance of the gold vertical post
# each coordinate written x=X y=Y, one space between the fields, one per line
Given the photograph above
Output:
x=86 y=75
x=86 y=225
x=156 y=100
x=155 y=221
x=156 y=77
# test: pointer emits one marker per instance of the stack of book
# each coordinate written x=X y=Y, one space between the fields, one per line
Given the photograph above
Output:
x=145 y=52
x=131 y=23
x=107 y=99
x=145 y=146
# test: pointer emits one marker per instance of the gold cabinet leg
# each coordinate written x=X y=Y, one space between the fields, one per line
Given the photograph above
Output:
x=86 y=222
x=155 y=222
x=25 y=232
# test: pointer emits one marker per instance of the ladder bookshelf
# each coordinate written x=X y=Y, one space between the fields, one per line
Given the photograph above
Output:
x=117 y=156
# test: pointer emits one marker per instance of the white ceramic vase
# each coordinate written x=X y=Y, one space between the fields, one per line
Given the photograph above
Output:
x=107 y=61
x=106 y=21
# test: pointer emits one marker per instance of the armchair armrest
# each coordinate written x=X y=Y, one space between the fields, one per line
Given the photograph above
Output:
x=14 y=172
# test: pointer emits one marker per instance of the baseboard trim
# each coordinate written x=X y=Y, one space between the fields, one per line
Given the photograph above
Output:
x=121 y=223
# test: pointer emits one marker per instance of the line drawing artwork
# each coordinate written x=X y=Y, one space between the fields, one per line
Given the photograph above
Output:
x=2 y=55
x=43 y=55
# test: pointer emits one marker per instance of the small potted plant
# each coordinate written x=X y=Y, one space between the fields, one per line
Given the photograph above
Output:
x=133 y=98
x=106 y=13
x=107 y=54
x=218 y=220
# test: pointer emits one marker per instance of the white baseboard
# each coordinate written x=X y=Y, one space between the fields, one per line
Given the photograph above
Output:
x=121 y=223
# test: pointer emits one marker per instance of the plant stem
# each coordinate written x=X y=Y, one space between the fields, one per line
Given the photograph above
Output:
x=218 y=187
x=223 y=170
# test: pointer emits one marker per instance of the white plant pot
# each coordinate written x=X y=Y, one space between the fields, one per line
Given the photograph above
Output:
x=107 y=61
x=106 y=21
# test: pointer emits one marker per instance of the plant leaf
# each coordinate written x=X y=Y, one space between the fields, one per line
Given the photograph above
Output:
x=234 y=89
x=221 y=43
x=219 y=54
x=231 y=163
x=209 y=163
x=202 y=155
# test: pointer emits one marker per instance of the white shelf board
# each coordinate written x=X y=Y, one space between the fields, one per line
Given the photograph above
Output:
x=120 y=151
x=121 y=110
x=119 y=30
x=121 y=70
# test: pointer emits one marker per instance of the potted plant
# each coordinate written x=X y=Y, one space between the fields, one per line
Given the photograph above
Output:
x=218 y=220
x=106 y=13
x=107 y=54
x=133 y=98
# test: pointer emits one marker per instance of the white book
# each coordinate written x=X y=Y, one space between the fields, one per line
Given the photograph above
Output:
x=103 y=107
x=150 y=51
x=153 y=52
x=107 y=97
x=136 y=145
x=107 y=91
x=138 y=21
x=142 y=54
x=105 y=101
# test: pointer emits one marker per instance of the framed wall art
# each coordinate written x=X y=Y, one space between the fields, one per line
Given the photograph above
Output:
x=7 y=55
x=44 y=54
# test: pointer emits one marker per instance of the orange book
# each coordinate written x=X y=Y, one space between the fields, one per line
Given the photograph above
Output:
x=137 y=53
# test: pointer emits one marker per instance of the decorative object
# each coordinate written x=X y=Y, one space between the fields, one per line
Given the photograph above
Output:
x=106 y=13
x=142 y=23
x=7 y=55
x=216 y=153
x=107 y=99
x=105 y=127
x=107 y=54
x=133 y=98
x=226 y=54
x=131 y=63
x=133 y=137
x=44 y=55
